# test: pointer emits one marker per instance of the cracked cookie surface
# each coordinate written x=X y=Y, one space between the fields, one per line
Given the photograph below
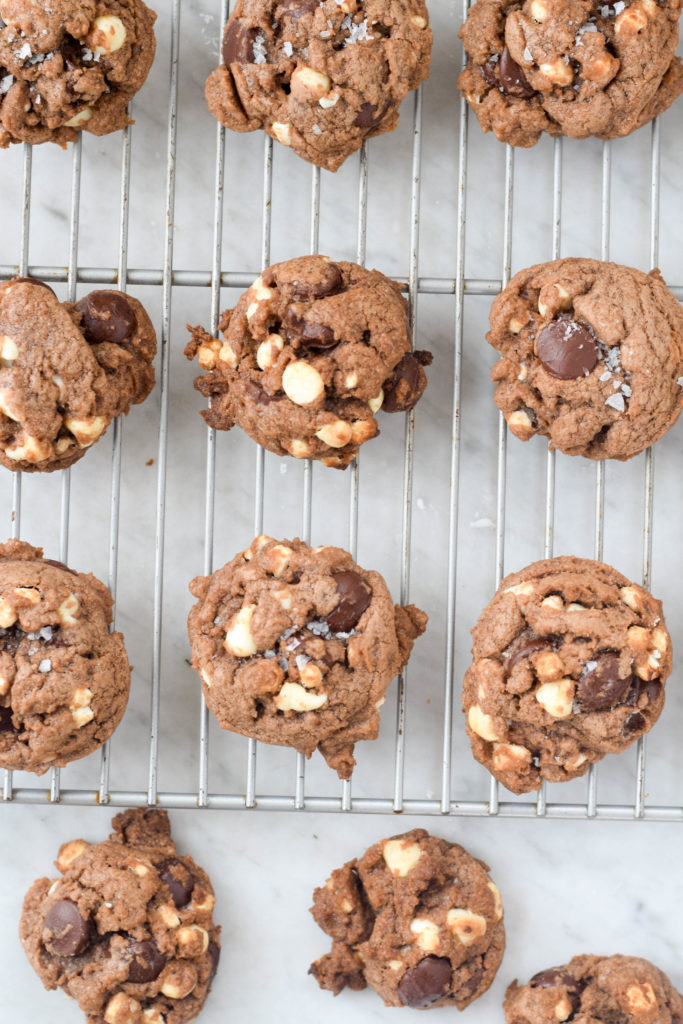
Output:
x=309 y=354
x=570 y=67
x=127 y=930
x=591 y=357
x=416 y=918
x=569 y=663
x=615 y=989
x=64 y=678
x=70 y=66
x=67 y=370
x=296 y=646
x=320 y=76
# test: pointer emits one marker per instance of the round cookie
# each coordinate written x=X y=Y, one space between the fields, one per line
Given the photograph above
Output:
x=591 y=357
x=127 y=931
x=319 y=76
x=70 y=66
x=570 y=67
x=416 y=918
x=67 y=370
x=296 y=646
x=309 y=354
x=570 y=662
x=64 y=678
x=596 y=988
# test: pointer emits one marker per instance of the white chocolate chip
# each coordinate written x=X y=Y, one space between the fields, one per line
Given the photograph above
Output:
x=152 y=1016
x=299 y=449
x=638 y=638
x=427 y=933
x=282 y=132
x=256 y=546
x=139 y=868
x=227 y=355
x=557 y=698
x=8 y=616
x=27 y=596
x=523 y=372
x=308 y=84
x=207 y=354
x=523 y=589
x=82 y=716
x=268 y=351
x=520 y=422
x=563 y=1009
x=401 y=856
x=351 y=380
x=8 y=350
x=284 y=599
x=193 y=940
x=363 y=430
x=328 y=101
x=632 y=597
x=497 y=901
x=207 y=903
x=641 y=997
x=347 y=906
x=204 y=673
x=395 y=965
x=553 y=601
x=68 y=610
x=276 y=559
x=539 y=10
x=79 y=119
x=68 y=853
x=635 y=18
x=310 y=675
x=167 y=916
x=466 y=925
x=302 y=383
x=336 y=434
x=87 y=429
x=122 y=1009
x=175 y=988
x=293 y=697
x=239 y=640
x=376 y=403
x=515 y=325
x=482 y=724
x=549 y=666
x=107 y=34
x=511 y=757
x=80 y=698
x=418 y=21
x=32 y=450
x=576 y=607
x=660 y=639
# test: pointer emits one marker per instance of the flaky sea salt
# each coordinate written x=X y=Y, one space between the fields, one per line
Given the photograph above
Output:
x=45 y=665
x=259 y=48
x=616 y=402
x=6 y=83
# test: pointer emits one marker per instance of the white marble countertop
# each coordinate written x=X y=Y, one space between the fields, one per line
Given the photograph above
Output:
x=568 y=886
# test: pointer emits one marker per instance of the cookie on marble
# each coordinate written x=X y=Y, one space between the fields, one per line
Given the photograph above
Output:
x=127 y=930
x=320 y=76
x=67 y=370
x=309 y=354
x=591 y=357
x=570 y=67
x=416 y=918
x=64 y=678
x=296 y=646
x=70 y=66
x=612 y=989
x=570 y=660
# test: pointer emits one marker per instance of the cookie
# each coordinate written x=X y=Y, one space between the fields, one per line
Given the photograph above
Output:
x=570 y=662
x=64 y=678
x=70 y=66
x=67 y=370
x=596 y=988
x=570 y=67
x=309 y=354
x=416 y=918
x=320 y=76
x=296 y=646
x=591 y=357
x=127 y=930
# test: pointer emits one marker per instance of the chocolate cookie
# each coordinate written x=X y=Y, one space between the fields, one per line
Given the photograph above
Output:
x=319 y=75
x=570 y=662
x=127 y=931
x=70 y=66
x=416 y=918
x=296 y=646
x=592 y=357
x=612 y=989
x=67 y=370
x=570 y=67
x=309 y=354
x=64 y=678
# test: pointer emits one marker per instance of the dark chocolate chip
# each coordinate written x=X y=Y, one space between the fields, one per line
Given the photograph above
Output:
x=473 y=982
x=214 y=956
x=651 y=688
x=106 y=316
x=538 y=643
x=59 y=565
x=426 y=983
x=310 y=335
x=512 y=78
x=600 y=687
x=556 y=976
x=634 y=724
x=406 y=385
x=567 y=349
x=490 y=71
x=70 y=933
x=147 y=961
x=258 y=394
x=331 y=282
x=238 y=43
x=6 y=720
x=178 y=879
x=354 y=598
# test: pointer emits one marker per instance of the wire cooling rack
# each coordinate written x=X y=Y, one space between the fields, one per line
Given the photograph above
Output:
x=492 y=509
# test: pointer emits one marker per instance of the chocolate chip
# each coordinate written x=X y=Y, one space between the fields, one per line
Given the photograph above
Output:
x=147 y=961
x=214 y=956
x=59 y=565
x=600 y=687
x=354 y=598
x=6 y=720
x=512 y=78
x=634 y=724
x=238 y=43
x=258 y=394
x=330 y=283
x=426 y=983
x=650 y=688
x=567 y=349
x=70 y=933
x=490 y=71
x=473 y=982
x=310 y=335
x=106 y=316
x=556 y=976
x=178 y=879
x=406 y=385
x=538 y=643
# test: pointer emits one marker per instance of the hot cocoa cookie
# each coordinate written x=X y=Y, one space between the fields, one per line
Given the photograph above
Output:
x=570 y=662
x=570 y=67
x=127 y=930
x=309 y=354
x=67 y=370
x=416 y=918
x=296 y=646
x=319 y=75
x=70 y=66
x=614 y=989
x=64 y=678
x=592 y=357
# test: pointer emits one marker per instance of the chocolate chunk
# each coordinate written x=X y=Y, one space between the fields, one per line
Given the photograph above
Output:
x=556 y=976
x=512 y=78
x=567 y=349
x=6 y=720
x=238 y=43
x=651 y=688
x=178 y=879
x=425 y=983
x=70 y=933
x=354 y=598
x=258 y=394
x=214 y=956
x=634 y=724
x=106 y=316
x=310 y=335
x=538 y=643
x=331 y=283
x=600 y=687
x=147 y=962
x=59 y=565
x=405 y=387
x=490 y=71
x=472 y=983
